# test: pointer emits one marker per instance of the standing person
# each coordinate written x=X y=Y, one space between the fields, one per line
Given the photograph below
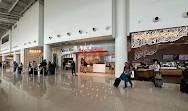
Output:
x=73 y=66
x=127 y=71
x=34 y=66
x=29 y=66
x=51 y=68
x=20 y=68
x=85 y=67
x=157 y=75
x=156 y=67
x=43 y=65
x=184 y=80
x=15 y=66
x=64 y=65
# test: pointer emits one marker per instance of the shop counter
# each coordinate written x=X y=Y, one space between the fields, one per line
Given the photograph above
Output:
x=109 y=71
x=100 y=68
x=88 y=69
x=144 y=73
x=176 y=72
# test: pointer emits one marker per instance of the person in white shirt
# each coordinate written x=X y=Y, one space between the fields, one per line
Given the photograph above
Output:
x=156 y=67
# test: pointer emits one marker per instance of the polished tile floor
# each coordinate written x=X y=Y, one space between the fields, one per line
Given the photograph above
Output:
x=85 y=92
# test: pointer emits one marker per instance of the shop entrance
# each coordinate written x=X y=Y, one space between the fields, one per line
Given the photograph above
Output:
x=97 y=62
x=67 y=61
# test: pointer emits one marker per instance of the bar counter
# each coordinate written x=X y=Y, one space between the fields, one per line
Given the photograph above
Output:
x=144 y=73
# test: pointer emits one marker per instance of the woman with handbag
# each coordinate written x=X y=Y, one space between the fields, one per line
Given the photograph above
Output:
x=128 y=72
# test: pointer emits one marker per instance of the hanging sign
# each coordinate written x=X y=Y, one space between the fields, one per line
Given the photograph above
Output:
x=139 y=39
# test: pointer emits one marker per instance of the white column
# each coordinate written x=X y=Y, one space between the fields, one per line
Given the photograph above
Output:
x=15 y=56
x=121 y=18
x=22 y=56
x=3 y=58
x=74 y=57
x=47 y=53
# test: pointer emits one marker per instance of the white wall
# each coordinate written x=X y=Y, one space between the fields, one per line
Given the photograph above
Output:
x=5 y=48
x=63 y=16
x=169 y=11
x=28 y=29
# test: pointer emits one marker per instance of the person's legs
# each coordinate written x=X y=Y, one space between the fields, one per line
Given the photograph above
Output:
x=75 y=72
x=125 y=84
x=84 y=69
x=129 y=78
x=72 y=71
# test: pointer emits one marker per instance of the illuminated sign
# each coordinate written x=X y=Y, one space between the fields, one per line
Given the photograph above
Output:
x=139 y=39
x=91 y=50
x=35 y=51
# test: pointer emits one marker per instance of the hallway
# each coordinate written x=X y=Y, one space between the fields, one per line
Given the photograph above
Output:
x=64 y=92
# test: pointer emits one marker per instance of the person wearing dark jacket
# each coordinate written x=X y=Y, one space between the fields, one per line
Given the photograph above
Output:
x=73 y=67
x=51 y=68
x=43 y=65
x=184 y=80
x=15 y=66
x=85 y=67
x=64 y=65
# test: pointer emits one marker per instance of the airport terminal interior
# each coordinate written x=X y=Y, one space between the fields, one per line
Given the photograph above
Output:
x=93 y=55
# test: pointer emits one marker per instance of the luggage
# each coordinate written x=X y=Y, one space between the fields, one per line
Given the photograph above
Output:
x=31 y=71
x=41 y=71
x=19 y=70
x=158 y=82
x=117 y=82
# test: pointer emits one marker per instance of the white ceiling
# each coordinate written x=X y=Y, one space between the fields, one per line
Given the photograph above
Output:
x=11 y=11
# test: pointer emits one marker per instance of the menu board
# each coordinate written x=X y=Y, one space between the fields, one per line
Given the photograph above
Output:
x=168 y=57
x=107 y=59
x=183 y=57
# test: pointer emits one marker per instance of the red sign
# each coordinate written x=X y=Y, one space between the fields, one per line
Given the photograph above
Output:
x=91 y=50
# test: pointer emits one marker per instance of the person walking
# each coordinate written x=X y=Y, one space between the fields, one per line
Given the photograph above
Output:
x=73 y=66
x=20 y=68
x=128 y=72
x=15 y=66
x=85 y=67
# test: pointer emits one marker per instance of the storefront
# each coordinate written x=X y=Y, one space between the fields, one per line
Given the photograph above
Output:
x=32 y=54
x=99 y=56
x=168 y=46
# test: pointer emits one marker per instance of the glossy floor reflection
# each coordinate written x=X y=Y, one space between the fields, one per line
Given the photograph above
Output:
x=86 y=92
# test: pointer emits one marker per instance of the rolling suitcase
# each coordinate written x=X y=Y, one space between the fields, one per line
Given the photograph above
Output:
x=158 y=82
x=117 y=82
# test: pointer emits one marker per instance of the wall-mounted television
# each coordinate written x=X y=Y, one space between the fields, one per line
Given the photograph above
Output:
x=183 y=57
x=168 y=57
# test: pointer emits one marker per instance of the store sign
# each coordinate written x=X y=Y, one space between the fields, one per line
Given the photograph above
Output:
x=91 y=50
x=157 y=36
x=83 y=47
x=67 y=50
x=35 y=51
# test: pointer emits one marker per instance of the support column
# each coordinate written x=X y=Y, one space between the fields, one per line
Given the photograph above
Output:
x=47 y=53
x=22 y=56
x=3 y=58
x=121 y=23
x=15 y=56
